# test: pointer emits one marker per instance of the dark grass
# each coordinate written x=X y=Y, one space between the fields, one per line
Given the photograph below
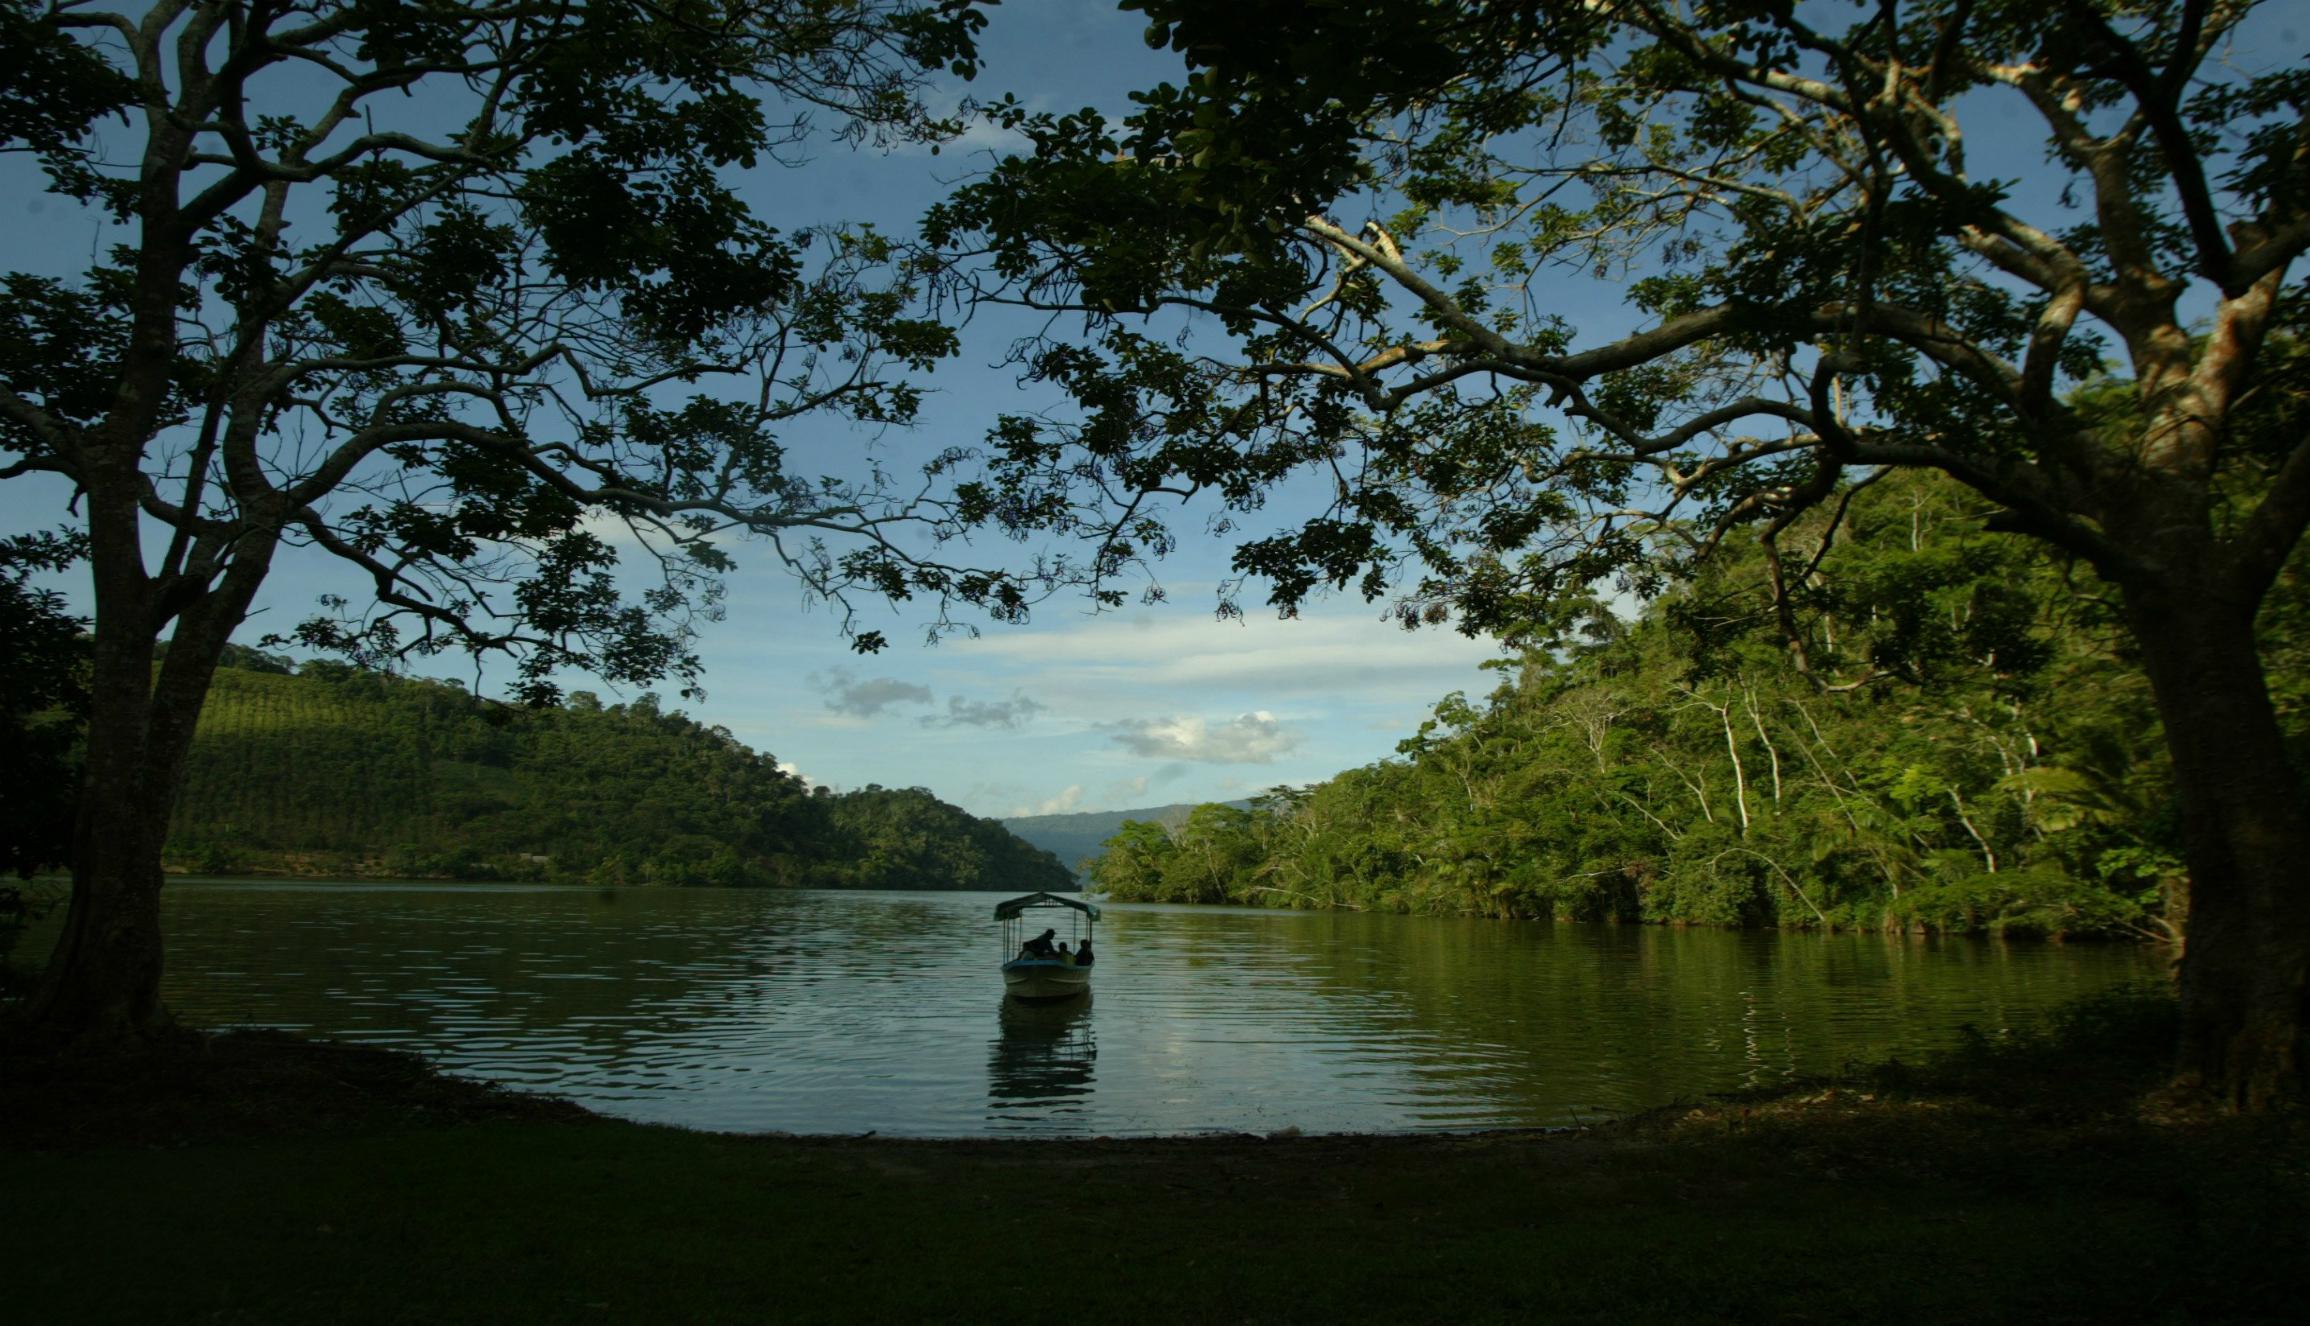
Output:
x=1957 y=1192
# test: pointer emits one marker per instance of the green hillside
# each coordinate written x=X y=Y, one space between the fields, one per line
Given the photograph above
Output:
x=337 y=772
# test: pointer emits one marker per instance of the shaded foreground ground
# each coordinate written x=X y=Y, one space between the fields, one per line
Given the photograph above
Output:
x=267 y=1179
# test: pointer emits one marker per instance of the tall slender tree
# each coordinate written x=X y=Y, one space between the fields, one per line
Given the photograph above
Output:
x=1906 y=233
x=435 y=289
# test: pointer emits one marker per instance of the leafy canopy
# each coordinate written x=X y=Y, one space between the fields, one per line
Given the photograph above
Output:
x=1849 y=238
x=464 y=296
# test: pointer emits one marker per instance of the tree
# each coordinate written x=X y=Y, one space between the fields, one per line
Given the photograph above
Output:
x=1838 y=259
x=431 y=289
x=1130 y=864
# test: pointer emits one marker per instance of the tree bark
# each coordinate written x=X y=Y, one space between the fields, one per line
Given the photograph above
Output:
x=2245 y=971
x=102 y=982
x=101 y=987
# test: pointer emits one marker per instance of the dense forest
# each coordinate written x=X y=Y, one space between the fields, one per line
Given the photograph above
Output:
x=338 y=771
x=1944 y=729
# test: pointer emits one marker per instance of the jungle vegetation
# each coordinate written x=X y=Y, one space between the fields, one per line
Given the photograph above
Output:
x=341 y=772
x=1993 y=762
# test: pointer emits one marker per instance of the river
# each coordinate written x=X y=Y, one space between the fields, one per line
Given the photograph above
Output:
x=821 y=1012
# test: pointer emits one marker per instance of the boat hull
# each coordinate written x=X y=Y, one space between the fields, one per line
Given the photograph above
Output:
x=1032 y=978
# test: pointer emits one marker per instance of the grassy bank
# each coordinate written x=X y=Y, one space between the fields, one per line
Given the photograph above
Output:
x=285 y=1183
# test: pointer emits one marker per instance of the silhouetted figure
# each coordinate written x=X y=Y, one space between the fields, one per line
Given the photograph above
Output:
x=1040 y=945
x=1065 y=956
x=1083 y=953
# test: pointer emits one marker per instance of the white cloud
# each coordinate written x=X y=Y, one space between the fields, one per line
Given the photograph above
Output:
x=1011 y=713
x=984 y=135
x=1253 y=738
x=629 y=543
x=1109 y=660
x=980 y=133
x=846 y=693
x=1065 y=801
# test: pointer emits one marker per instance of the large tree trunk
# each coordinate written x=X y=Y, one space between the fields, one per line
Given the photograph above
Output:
x=102 y=983
x=2246 y=969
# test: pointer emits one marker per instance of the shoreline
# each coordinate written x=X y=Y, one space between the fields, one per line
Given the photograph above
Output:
x=258 y=1176
x=179 y=873
x=198 y=1087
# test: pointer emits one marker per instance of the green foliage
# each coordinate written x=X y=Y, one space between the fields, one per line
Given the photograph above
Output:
x=43 y=701
x=905 y=838
x=466 y=298
x=2038 y=899
x=51 y=87
x=1970 y=751
x=428 y=288
x=343 y=771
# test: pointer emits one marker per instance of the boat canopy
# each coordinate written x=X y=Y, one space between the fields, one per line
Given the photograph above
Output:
x=1004 y=911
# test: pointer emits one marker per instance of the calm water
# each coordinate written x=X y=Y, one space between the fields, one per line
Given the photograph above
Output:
x=847 y=1012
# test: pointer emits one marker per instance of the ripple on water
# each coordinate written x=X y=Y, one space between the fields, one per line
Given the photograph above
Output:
x=816 y=1012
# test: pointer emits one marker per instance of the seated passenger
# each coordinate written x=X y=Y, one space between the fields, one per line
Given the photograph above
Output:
x=1083 y=953
x=1065 y=956
x=1040 y=945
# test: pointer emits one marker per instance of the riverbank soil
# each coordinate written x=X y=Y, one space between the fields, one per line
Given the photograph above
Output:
x=267 y=1179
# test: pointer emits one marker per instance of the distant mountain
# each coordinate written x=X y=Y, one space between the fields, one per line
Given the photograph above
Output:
x=1082 y=835
x=333 y=772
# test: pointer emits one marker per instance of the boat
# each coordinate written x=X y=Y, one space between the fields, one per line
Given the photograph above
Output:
x=1044 y=978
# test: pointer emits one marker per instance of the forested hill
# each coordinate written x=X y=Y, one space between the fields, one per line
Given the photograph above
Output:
x=1080 y=835
x=1944 y=732
x=338 y=772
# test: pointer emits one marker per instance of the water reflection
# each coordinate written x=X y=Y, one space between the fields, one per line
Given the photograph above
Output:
x=1041 y=1062
x=840 y=1012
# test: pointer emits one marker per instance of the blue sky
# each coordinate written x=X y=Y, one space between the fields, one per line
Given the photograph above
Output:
x=1074 y=711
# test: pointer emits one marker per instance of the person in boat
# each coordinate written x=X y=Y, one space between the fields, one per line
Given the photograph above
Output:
x=1083 y=952
x=1065 y=956
x=1040 y=946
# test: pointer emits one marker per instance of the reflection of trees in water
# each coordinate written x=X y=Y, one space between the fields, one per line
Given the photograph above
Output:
x=557 y=987
x=1534 y=1021
x=1042 y=1060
